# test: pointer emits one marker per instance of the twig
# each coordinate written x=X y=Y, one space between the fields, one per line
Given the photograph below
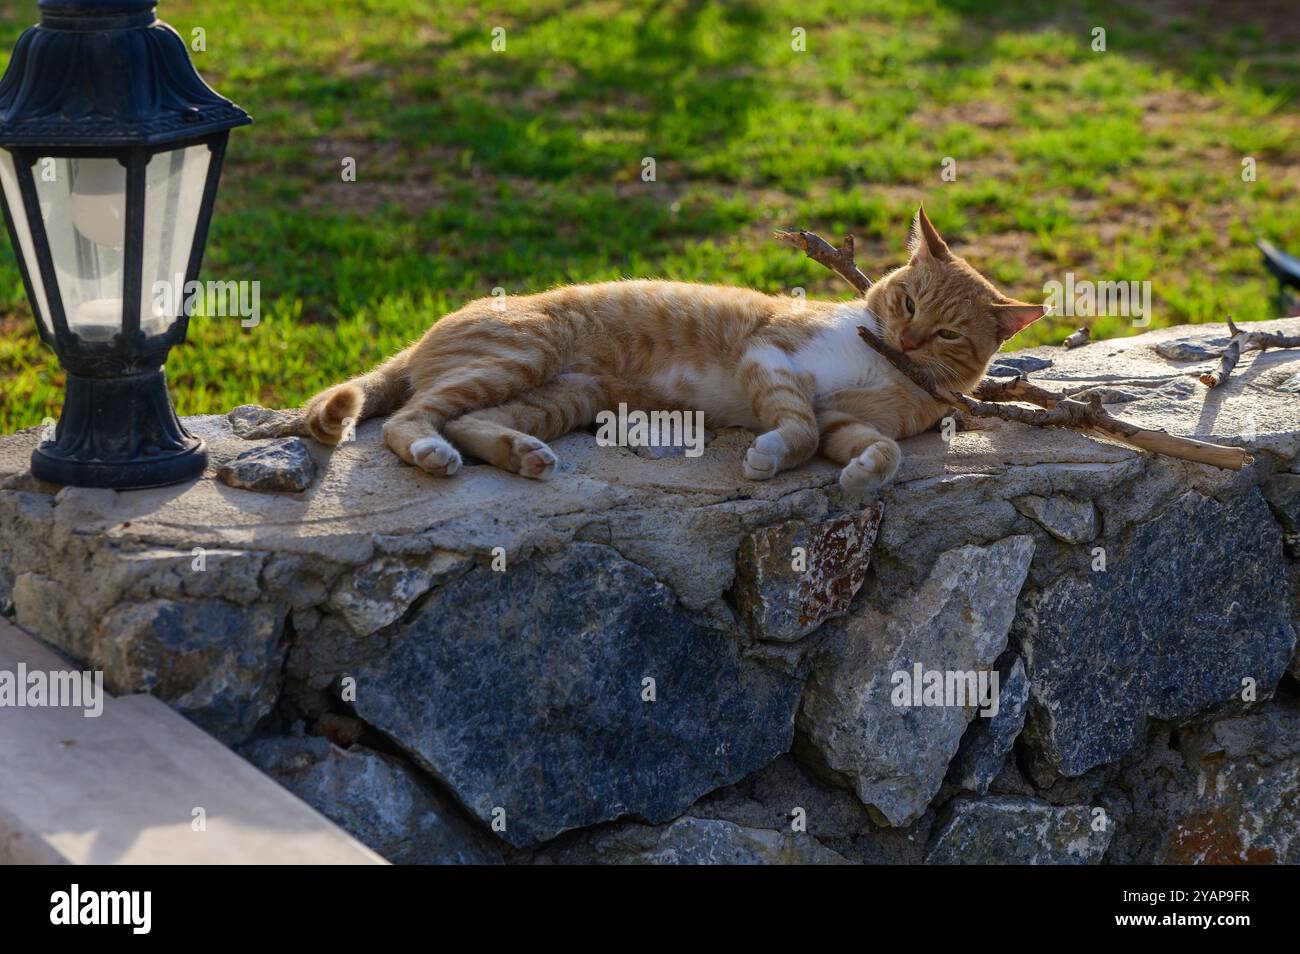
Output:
x=1056 y=410
x=1245 y=341
x=839 y=260
x=1078 y=338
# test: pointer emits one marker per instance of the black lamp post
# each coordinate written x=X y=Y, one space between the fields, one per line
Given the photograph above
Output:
x=110 y=152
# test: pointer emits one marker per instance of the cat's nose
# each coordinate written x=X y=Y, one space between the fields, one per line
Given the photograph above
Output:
x=909 y=341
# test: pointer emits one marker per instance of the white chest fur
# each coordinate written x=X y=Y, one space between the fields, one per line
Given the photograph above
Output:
x=834 y=358
x=837 y=357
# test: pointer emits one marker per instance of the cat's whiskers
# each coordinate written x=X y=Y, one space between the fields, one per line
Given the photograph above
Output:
x=943 y=372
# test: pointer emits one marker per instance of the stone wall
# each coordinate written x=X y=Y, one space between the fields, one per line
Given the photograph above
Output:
x=650 y=659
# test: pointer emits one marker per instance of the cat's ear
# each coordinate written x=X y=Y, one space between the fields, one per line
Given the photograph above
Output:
x=926 y=245
x=1013 y=316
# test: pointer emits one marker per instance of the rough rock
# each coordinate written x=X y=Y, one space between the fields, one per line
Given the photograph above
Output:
x=793 y=577
x=376 y=798
x=379 y=593
x=987 y=742
x=1006 y=830
x=216 y=662
x=895 y=756
x=572 y=646
x=785 y=794
x=1282 y=491
x=1223 y=792
x=283 y=466
x=1244 y=803
x=692 y=548
x=694 y=841
x=1070 y=521
x=1012 y=364
x=1180 y=624
x=324 y=583
x=254 y=423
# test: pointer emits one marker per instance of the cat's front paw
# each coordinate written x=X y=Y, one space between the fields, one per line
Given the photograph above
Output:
x=763 y=459
x=872 y=469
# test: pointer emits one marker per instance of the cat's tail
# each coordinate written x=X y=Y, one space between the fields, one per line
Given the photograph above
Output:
x=333 y=412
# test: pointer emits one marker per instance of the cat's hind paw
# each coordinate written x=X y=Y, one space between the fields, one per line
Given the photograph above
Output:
x=863 y=476
x=763 y=459
x=436 y=456
x=529 y=457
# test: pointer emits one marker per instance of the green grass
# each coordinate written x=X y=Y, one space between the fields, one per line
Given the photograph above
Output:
x=521 y=169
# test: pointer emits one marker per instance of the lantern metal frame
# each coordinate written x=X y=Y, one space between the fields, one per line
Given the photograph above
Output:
x=107 y=79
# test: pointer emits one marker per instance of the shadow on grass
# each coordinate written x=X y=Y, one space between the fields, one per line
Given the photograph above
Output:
x=1253 y=41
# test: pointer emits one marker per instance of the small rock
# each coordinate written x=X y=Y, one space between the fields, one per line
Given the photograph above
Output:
x=373 y=596
x=256 y=423
x=1010 y=830
x=1070 y=521
x=283 y=466
x=1112 y=394
x=1191 y=350
x=1291 y=384
x=1005 y=365
x=1180 y=389
x=782 y=597
x=987 y=742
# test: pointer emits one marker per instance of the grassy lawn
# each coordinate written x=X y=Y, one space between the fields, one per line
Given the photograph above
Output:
x=522 y=169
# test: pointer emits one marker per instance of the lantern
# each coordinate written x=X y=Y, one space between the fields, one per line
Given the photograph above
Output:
x=110 y=152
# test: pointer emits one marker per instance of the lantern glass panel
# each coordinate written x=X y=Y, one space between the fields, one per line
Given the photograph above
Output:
x=173 y=200
x=83 y=205
x=18 y=212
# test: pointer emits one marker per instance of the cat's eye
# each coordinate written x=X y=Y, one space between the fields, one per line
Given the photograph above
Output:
x=948 y=334
x=911 y=305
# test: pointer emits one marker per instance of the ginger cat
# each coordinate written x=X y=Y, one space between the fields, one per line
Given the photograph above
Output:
x=499 y=377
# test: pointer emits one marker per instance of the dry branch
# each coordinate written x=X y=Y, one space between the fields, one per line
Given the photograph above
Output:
x=1078 y=338
x=1245 y=341
x=839 y=260
x=1056 y=410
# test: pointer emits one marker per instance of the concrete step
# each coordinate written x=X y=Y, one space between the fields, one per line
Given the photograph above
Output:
x=123 y=788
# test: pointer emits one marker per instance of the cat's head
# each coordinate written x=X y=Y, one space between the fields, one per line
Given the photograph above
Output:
x=947 y=317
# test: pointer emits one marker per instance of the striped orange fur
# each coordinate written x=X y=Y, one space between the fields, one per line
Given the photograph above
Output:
x=501 y=376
